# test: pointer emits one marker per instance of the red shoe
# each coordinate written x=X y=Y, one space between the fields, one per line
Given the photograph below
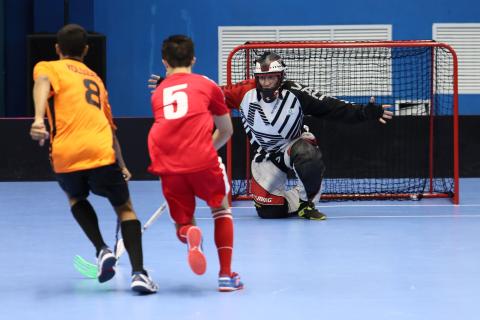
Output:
x=196 y=258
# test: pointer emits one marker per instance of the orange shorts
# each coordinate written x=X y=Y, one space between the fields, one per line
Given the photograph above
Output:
x=180 y=190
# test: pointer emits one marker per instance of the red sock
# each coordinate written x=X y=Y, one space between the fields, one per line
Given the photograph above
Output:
x=224 y=239
x=182 y=232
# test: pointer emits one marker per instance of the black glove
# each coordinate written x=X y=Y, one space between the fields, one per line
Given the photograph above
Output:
x=373 y=111
x=160 y=80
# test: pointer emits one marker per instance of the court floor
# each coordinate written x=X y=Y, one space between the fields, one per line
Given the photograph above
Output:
x=383 y=260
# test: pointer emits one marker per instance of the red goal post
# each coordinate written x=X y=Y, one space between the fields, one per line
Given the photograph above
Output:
x=414 y=156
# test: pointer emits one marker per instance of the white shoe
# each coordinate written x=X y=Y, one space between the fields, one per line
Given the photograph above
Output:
x=142 y=283
x=105 y=263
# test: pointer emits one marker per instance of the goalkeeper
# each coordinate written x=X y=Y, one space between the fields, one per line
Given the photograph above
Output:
x=272 y=110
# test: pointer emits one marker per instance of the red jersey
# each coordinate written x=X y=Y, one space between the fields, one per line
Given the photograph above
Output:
x=180 y=140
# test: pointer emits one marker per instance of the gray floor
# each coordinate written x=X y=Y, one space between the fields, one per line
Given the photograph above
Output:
x=370 y=260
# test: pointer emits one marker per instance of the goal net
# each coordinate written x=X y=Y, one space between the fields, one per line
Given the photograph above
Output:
x=414 y=155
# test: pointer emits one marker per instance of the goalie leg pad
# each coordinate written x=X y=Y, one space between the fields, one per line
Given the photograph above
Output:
x=269 y=177
x=268 y=205
x=306 y=160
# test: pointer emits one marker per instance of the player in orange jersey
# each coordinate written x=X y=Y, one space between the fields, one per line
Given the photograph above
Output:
x=85 y=152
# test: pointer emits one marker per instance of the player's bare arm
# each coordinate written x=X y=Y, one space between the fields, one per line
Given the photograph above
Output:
x=121 y=163
x=41 y=90
x=223 y=131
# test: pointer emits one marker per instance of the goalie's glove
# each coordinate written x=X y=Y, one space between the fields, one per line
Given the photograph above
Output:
x=154 y=81
x=383 y=113
x=159 y=80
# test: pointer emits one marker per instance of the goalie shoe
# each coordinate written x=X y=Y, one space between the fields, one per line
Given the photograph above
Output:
x=308 y=211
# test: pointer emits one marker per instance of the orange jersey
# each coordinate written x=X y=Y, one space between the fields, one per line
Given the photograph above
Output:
x=80 y=119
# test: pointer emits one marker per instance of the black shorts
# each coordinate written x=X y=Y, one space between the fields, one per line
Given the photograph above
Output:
x=104 y=181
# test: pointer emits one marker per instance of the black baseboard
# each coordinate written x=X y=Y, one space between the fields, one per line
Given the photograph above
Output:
x=23 y=160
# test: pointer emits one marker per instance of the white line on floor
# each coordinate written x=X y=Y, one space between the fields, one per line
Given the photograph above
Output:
x=370 y=205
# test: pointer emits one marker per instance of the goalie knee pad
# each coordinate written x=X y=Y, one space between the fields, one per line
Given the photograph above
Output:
x=272 y=211
x=306 y=160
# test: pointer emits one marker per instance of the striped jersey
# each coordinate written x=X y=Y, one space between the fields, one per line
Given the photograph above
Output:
x=273 y=125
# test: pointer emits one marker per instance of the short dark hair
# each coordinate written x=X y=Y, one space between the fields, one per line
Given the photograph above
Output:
x=72 y=40
x=178 y=51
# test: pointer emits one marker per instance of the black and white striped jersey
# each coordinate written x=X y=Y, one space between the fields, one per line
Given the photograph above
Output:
x=273 y=125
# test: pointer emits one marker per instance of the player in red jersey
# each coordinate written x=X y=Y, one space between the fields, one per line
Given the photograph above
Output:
x=184 y=154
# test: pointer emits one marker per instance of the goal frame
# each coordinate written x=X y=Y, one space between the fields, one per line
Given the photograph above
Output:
x=366 y=44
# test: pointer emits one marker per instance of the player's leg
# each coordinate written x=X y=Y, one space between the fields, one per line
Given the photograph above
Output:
x=76 y=187
x=132 y=239
x=268 y=191
x=223 y=222
x=108 y=182
x=304 y=156
x=181 y=202
x=212 y=186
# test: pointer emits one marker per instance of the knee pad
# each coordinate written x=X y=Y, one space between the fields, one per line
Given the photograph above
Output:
x=306 y=160
x=272 y=211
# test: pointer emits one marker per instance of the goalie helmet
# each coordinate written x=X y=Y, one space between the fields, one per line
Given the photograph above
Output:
x=272 y=64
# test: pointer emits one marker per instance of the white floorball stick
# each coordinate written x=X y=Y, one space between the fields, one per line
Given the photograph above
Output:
x=120 y=247
x=89 y=269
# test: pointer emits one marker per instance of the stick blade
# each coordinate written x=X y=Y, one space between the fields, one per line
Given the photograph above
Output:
x=84 y=267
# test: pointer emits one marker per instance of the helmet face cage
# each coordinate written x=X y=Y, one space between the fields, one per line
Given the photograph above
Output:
x=269 y=63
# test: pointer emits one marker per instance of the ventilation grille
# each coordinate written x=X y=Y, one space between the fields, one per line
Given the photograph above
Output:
x=231 y=37
x=465 y=40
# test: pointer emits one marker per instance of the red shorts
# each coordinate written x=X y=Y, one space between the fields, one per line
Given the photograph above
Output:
x=180 y=190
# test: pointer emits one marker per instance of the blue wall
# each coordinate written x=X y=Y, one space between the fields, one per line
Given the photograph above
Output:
x=23 y=17
x=18 y=23
x=134 y=33
x=135 y=30
x=2 y=58
x=49 y=15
